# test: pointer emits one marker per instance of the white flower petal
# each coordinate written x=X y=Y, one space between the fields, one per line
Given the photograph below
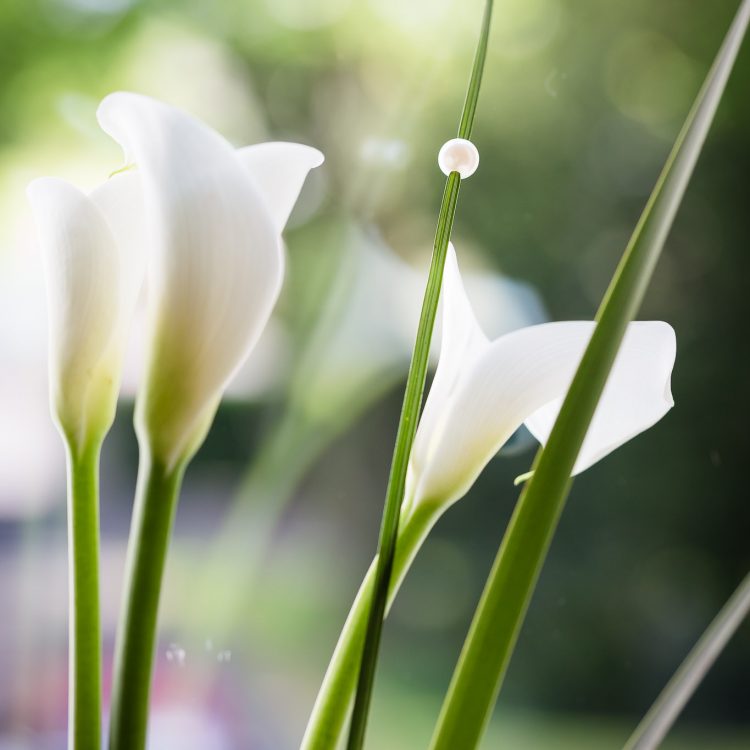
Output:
x=217 y=265
x=462 y=341
x=83 y=274
x=637 y=394
x=492 y=388
x=120 y=200
x=279 y=170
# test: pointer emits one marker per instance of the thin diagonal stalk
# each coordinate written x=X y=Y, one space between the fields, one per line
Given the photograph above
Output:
x=497 y=622
x=410 y=411
x=85 y=640
x=397 y=479
x=679 y=690
x=469 y=111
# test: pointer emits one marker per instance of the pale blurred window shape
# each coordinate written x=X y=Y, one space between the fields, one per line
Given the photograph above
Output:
x=365 y=337
x=187 y=728
x=31 y=460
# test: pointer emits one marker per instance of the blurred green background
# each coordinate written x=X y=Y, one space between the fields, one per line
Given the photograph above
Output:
x=581 y=102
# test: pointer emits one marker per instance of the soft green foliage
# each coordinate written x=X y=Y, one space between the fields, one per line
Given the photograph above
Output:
x=502 y=609
x=579 y=108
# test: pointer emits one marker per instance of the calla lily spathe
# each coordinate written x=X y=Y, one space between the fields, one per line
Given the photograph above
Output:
x=484 y=390
x=93 y=259
x=213 y=220
x=206 y=220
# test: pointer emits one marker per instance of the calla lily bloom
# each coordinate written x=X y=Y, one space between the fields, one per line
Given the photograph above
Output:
x=93 y=260
x=213 y=217
x=93 y=257
x=484 y=390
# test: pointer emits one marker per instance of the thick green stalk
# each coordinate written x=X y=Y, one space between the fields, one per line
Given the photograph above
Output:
x=326 y=725
x=407 y=427
x=501 y=611
x=668 y=706
x=155 y=504
x=84 y=636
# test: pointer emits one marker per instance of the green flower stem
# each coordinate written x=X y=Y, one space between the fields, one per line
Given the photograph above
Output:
x=155 y=504
x=408 y=421
x=85 y=639
x=326 y=725
x=407 y=428
x=668 y=706
x=502 y=608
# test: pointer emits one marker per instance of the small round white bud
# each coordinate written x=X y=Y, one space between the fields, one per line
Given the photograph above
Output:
x=458 y=155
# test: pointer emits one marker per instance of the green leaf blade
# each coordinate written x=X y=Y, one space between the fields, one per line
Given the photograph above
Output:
x=649 y=734
x=497 y=622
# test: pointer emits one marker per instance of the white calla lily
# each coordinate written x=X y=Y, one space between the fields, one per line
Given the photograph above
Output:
x=93 y=260
x=484 y=390
x=214 y=219
x=92 y=250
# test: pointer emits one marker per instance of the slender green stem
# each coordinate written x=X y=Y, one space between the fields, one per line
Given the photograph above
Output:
x=477 y=71
x=85 y=639
x=326 y=725
x=668 y=706
x=155 y=504
x=395 y=491
x=407 y=427
x=502 y=608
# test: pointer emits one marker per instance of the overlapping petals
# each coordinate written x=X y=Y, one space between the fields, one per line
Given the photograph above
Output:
x=214 y=217
x=206 y=221
x=484 y=390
